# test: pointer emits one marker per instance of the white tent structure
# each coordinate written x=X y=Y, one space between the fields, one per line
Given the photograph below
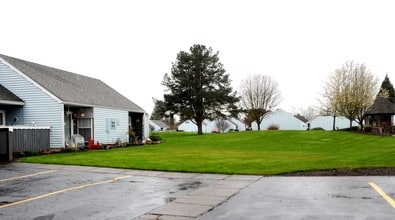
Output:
x=326 y=122
x=190 y=126
x=232 y=124
x=282 y=119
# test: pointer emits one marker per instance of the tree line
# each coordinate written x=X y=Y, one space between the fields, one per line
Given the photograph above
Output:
x=199 y=88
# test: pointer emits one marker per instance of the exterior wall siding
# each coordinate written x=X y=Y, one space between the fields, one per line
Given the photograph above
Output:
x=40 y=108
x=110 y=125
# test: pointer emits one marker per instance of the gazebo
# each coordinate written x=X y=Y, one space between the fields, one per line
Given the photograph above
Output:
x=381 y=115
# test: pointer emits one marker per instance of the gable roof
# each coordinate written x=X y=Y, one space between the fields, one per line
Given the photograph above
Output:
x=73 y=88
x=381 y=106
x=301 y=117
x=7 y=97
x=160 y=123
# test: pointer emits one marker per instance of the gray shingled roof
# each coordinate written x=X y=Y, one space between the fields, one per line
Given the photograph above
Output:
x=6 y=95
x=160 y=124
x=73 y=88
x=381 y=106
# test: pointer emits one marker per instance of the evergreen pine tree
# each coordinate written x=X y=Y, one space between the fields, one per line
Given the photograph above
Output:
x=386 y=87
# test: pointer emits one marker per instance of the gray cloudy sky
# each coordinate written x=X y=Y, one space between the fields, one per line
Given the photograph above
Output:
x=130 y=44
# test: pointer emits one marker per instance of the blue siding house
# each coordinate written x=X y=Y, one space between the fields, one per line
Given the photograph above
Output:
x=34 y=94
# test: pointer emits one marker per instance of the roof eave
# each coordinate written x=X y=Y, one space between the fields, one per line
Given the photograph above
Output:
x=8 y=102
x=99 y=106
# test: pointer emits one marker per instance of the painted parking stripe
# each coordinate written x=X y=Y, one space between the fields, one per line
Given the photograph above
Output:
x=383 y=194
x=62 y=191
x=26 y=176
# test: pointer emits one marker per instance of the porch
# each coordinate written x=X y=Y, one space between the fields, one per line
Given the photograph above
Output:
x=103 y=125
x=78 y=120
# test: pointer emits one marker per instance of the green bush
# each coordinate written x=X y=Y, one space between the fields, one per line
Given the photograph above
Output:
x=155 y=137
x=273 y=127
x=27 y=153
x=318 y=129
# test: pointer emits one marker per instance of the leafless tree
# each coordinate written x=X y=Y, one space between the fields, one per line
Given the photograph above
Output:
x=259 y=94
x=308 y=113
x=222 y=124
x=350 y=91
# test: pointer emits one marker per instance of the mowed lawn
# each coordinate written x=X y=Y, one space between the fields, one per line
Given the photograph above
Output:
x=256 y=152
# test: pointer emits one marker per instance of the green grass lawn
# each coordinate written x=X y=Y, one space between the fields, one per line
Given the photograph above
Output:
x=263 y=153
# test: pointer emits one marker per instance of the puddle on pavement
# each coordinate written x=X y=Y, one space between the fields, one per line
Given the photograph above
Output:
x=4 y=203
x=183 y=187
x=337 y=196
x=189 y=185
x=169 y=199
x=45 y=217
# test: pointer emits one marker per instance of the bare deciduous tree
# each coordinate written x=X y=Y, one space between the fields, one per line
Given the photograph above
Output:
x=222 y=124
x=350 y=91
x=259 y=94
x=308 y=113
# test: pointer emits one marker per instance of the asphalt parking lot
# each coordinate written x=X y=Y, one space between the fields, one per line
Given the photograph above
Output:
x=35 y=191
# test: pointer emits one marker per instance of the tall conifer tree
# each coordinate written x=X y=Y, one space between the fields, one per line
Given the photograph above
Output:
x=387 y=89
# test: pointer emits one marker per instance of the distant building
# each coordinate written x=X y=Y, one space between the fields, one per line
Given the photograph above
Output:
x=282 y=119
x=326 y=122
x=233 y=124
x=381 y=114
x=158 y=125
x=190 y=126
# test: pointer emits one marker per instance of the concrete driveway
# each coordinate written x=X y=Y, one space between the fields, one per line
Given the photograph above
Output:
x=36 y=191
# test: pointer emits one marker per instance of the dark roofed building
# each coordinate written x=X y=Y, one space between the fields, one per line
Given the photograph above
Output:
x=73 y=88
x=381 y=106
x=381 y=115
x=70 y=103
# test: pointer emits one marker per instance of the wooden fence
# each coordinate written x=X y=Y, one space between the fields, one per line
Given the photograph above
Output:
x=20 y=139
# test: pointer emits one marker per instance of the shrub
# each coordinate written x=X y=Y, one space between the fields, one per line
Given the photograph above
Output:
x=273 y=127
x=368 y=129
x=318 y=129
x=155 y=137
x=27 y=153
x=69 y=149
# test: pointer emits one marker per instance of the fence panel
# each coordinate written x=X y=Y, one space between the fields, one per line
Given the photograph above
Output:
x=20 y=139
x=30 y=139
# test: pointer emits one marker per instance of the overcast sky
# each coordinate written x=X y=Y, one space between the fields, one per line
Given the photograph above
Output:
x=130 y=45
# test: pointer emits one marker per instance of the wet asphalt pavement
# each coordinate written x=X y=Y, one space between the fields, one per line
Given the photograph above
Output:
x=36 y=191
x=309 y=198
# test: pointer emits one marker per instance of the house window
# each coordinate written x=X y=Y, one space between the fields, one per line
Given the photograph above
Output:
x=2 y=117
x=111 y=124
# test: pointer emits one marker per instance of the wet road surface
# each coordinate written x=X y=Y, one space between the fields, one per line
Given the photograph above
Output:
x=36 y=191
x=310 y=198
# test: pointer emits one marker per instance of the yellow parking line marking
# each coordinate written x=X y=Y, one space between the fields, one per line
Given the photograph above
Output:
x=62 y=191
x=26 y=176
x=383 y=194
